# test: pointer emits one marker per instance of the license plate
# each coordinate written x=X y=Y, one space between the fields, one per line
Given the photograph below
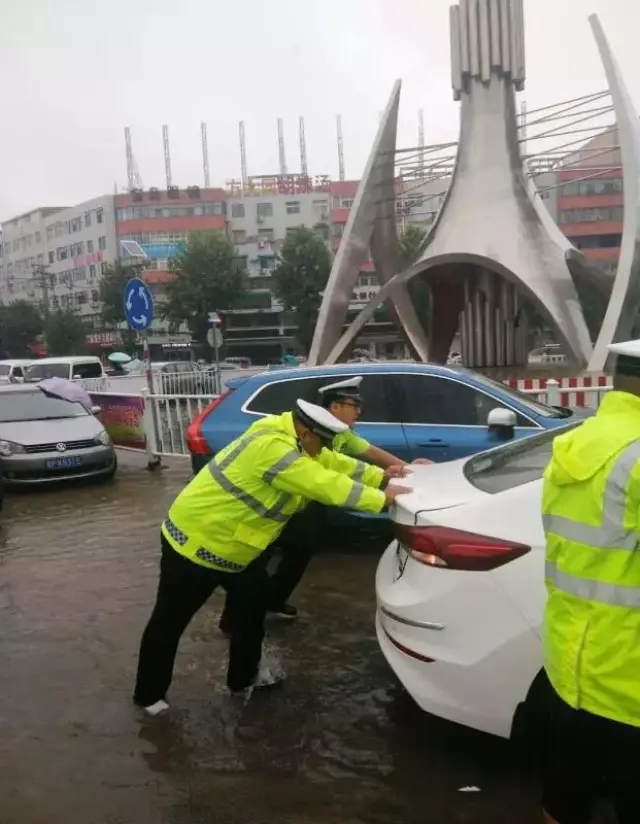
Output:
x=63 y=463
x=402 y=556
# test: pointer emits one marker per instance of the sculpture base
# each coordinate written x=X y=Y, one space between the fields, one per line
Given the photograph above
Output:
x=494 y=328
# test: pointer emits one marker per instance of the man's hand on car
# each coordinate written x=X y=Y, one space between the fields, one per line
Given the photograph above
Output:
x=392 y=492
x=396 y=471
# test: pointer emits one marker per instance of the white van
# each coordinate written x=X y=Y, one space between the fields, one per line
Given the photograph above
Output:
x=71 y=368
x=13 y=370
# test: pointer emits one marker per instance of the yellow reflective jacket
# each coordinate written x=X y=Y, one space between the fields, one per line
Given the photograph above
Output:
x=239 y=503
x=591 y=516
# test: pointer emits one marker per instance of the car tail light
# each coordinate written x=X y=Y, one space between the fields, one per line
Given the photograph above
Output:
x=196 y=442
x=441 y=546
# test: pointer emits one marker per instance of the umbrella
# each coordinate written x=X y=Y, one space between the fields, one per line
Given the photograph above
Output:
x=119 y=357
x=66 y=391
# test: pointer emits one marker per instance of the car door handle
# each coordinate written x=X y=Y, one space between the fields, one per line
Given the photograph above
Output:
x=434 y=442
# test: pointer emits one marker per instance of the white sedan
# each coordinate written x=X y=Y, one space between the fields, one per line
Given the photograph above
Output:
x=460 y=593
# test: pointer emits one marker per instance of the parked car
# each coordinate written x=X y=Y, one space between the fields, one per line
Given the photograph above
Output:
x=412 y=410
x=178 y=377
x=13 y=370
x=73 y=367
x=45 y=439
x=460 y=593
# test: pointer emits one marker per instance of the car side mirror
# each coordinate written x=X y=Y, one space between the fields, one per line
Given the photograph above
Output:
x=96 y=410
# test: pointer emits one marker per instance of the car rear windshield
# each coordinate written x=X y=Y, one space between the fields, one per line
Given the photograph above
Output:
x=518 y=463
x=39 y=371
x=36 y=406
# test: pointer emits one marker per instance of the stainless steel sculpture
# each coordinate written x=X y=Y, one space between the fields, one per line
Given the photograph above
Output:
x=493 y=249
x=625 y=295
x=371 y=226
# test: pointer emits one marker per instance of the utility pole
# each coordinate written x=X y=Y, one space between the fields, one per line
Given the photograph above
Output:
x=43 y=280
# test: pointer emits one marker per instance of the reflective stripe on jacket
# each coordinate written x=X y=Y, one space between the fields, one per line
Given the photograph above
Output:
x=239 y=503
x=591 y=517
x=333 y=458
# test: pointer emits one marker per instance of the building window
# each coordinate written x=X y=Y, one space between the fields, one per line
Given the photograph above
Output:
x=292 y=207
x=89 y=246
x=264 y=209
x=237 y=210
x=596 y=241
x=242 y=261
x=62 y=252
x=87 y=219
x=591 y=215
x=99 y=215
x=102 y=243
x=38 y=237
x=92 y=272
x=76 y=224
x=596 y=186
x=239 y=235
x=265 y=234
x=52 y=257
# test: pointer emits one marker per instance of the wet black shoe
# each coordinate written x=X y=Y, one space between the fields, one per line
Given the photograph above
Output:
x=285 y=611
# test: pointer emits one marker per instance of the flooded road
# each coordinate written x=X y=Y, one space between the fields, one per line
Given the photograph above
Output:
x=340 y=743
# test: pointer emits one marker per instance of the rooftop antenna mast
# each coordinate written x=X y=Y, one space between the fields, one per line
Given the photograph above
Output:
x=133 y=175
x=281 y=151
x=340 y=147
x=167 y=155
x=205 y=155
x=421 y=141
x=243 y=156
x=303 y=148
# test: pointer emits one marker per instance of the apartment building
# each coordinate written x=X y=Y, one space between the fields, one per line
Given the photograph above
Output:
x=24 y=248
x=590 y=199
x=159 y=221
x=79 y=241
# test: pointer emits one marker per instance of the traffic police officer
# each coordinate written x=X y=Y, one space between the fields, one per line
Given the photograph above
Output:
x=585 y=704
x=299 y=541
x=225 y=518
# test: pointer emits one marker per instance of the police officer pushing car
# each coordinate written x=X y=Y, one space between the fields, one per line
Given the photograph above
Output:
x=225 y=518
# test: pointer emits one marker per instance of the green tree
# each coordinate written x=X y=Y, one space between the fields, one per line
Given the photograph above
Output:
x=114 y=279
x=300 y=276
x=208 y=277
x=65 y=334
x=20 y=324
x=411 y=244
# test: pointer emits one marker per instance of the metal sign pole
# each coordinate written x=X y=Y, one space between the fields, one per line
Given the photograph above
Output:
x=138 y=311
x=216 y=348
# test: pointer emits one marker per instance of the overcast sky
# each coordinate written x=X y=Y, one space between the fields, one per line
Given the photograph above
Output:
x=73 y=73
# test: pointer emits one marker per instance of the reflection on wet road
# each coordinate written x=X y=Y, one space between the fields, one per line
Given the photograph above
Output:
x=339 y=744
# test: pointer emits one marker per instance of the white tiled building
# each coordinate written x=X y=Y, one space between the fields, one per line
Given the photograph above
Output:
x=79 y=241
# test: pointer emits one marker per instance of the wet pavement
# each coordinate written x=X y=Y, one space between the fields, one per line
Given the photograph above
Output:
x=340 y=743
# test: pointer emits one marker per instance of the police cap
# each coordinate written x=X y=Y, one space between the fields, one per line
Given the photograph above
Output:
x=348 y=389
x=628 y=361
x=321 y=422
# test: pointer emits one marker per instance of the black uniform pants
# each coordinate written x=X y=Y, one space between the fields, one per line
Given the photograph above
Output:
x=298 y=542
x=583 y=758
x=184 y=587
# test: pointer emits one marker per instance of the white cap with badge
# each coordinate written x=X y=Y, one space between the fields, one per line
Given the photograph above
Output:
x=321 y=422
x=628 y=360
x=347 y=389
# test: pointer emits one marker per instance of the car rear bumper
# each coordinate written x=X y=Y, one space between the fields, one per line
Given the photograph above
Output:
x=31 y=470
x=468 y=680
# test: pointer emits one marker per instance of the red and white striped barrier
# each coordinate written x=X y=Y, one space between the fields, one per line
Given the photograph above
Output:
x=586 y=390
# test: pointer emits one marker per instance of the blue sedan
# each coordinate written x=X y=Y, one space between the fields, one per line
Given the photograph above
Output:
x=411 y=410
